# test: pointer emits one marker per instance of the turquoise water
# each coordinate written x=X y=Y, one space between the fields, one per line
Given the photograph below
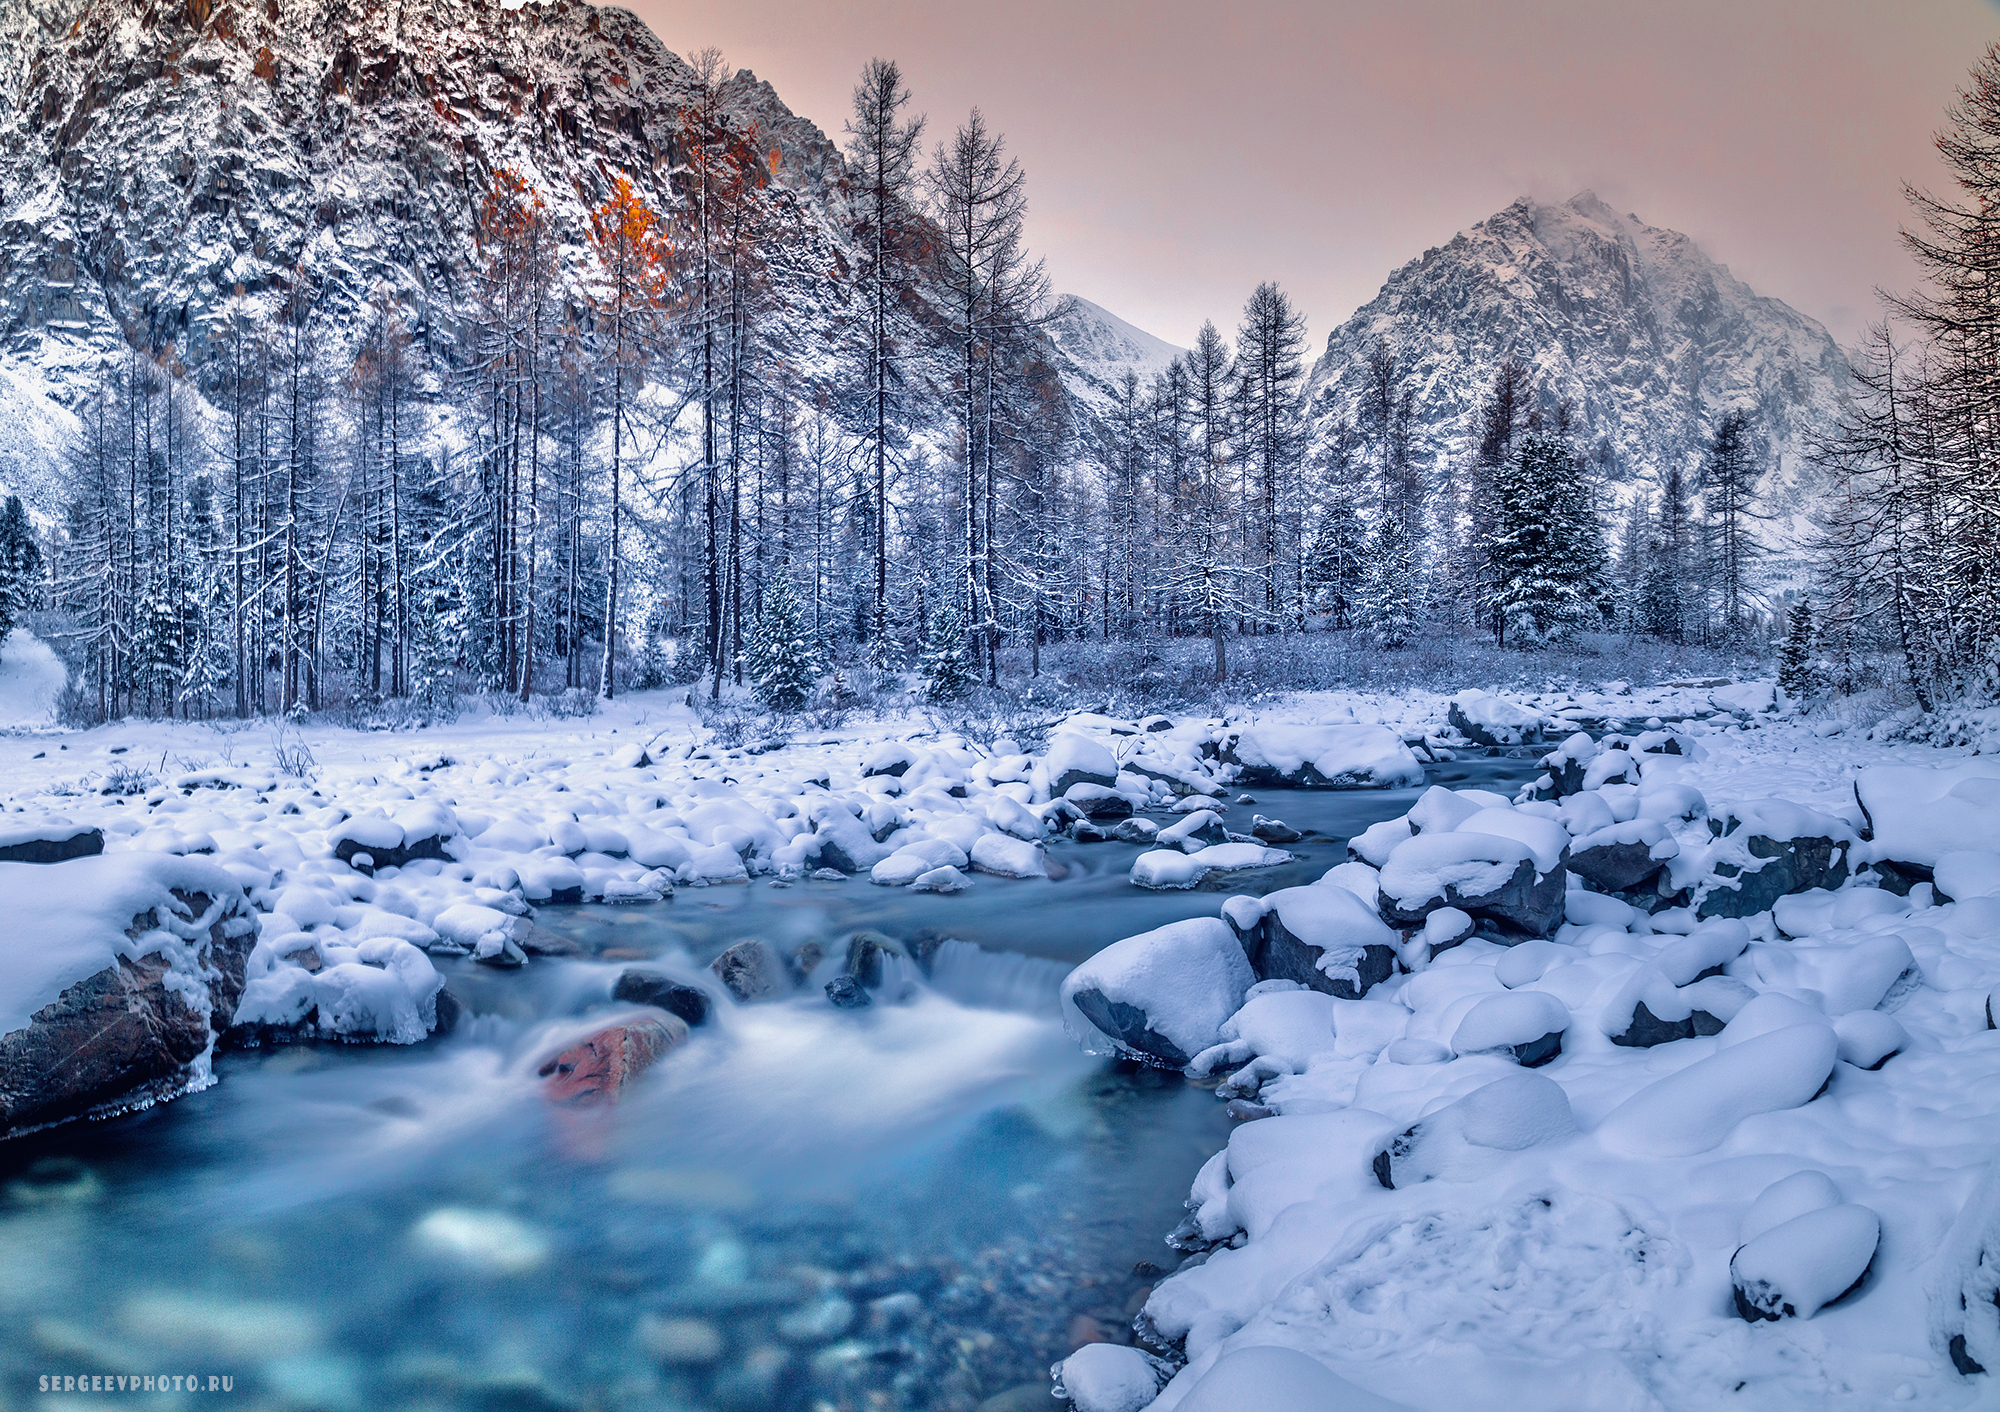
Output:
x=920 y=1204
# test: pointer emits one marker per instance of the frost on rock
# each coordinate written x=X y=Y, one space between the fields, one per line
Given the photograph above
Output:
x=1162 y=996
x=117 y=974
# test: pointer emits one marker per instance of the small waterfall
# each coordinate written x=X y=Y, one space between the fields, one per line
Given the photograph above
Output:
x=1000 y=980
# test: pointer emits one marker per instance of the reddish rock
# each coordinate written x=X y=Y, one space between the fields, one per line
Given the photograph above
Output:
x=596 y=1070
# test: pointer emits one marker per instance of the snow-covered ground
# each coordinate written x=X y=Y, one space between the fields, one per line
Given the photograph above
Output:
x=1558 y=1236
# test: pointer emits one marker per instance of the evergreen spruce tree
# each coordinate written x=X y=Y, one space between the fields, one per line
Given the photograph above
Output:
x=1390 y=598
x=781 y=660
x=20 y=565
x=1336 y=564
x=1798 y=676
x=1548 y=554
x=944 y=667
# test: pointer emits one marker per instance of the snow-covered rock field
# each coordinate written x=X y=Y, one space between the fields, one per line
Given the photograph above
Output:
x=1670 y=1080
x=1723 y=1130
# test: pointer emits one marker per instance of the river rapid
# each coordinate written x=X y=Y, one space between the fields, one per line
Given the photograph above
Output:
x=916 y=1205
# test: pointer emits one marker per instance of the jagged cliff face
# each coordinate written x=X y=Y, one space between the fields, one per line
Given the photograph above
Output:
x=157 y=154
x=1648 y=339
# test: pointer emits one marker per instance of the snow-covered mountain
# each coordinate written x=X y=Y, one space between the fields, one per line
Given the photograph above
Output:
x=154 y=157
x=1095 y=349
x=1648 y=338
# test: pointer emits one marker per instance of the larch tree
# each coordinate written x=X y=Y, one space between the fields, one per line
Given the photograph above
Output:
x=882 y=151
x=1270 y=367
x=978 y=198
x=630 y=257
x=1729 y=476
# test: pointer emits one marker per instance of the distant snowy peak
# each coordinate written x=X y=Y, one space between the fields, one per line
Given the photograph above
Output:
x=1096 y=348
x=1645 y=336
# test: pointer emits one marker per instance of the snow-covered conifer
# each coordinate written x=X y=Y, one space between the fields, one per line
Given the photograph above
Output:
x=1798 y=676
x=944 y=668
x=1392 y=597
x=781 y=659
x=1548 y=555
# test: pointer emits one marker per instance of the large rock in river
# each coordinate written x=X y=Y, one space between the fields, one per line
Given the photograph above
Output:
x=1161 y=996
x=596 y=1069
x=1325 y=938
x=117 y=975
x=1483 y=874
x=1320 y=757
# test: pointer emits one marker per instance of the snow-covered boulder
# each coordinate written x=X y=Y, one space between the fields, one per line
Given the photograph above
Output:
x=1523 y=1025
x=944 y=879
x=892 y=758
x=1796 y=1269
x=381 y=989
x=913 y=860
x=1075 y=759
x=1966 y=873
x=1006 y=857
x=845 y=843
x=1467 y=1139
x=1764 y=850
x=1481 y=873
x=1198 y=830
x=48 y=841
x=1620 y=857
x=1694 y=1109
x=1168 y=869
x=1276 y=1032
x=1918 y=815
x=374 y=841
x=1486 y=719
x=1273 y=830
x=1100 y=802
x=117 y=974
x=1325 y=938
x=1320 y=757
x=1109 y=1377
x=1163 y=995
x=1785 y=1200
x=1869 y=1039
x=1649 y=1009
x=1848 y=976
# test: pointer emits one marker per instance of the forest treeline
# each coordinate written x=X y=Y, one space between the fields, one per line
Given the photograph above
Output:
x=625 y=468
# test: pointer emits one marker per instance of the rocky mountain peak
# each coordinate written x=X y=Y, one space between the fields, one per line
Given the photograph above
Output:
x=1647 y=338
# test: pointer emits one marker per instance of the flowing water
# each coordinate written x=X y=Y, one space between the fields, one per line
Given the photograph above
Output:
x=920 y=1204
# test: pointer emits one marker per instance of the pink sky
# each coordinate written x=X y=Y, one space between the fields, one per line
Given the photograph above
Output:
x=1179 y=152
